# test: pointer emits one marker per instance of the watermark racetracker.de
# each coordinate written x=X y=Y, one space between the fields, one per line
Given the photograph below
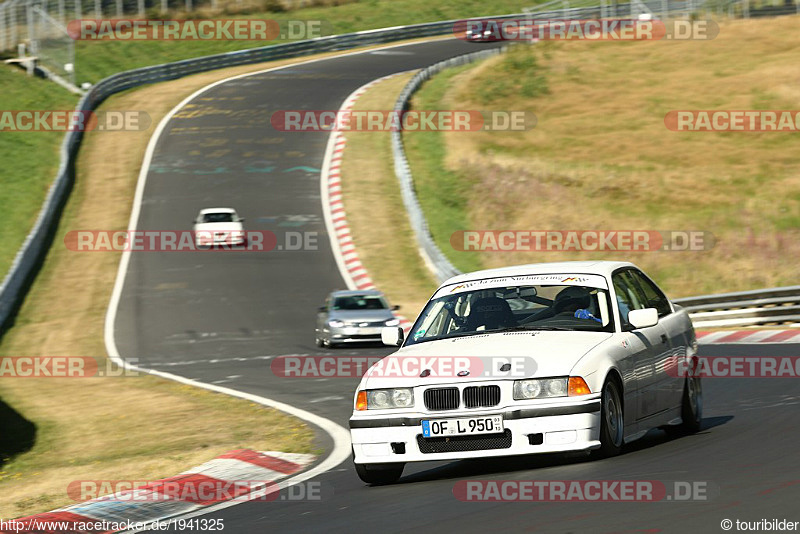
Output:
x=734 y=367
x=196 y=30
x=583 y=490
x=65 y=367
x=59 y=120
x=581 y=240
x=189 y=240
x=375 y=120
x=720 y=120
x=610 y=29
x=410 y=367
x=196 y=488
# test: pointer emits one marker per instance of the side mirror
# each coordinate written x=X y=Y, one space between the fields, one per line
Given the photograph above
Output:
x=392 y=336
x=241 y=219
x=322 y=309
x=643 y=318
x=395 y=307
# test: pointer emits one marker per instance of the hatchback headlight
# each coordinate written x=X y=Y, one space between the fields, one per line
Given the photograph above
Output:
x=392 y=322
x=335 y=323
x=540 y=388
x=384 y=399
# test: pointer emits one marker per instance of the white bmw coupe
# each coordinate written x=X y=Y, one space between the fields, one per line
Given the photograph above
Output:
x=544 y=358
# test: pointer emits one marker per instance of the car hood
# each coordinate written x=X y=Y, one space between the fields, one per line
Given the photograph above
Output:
x=361 y=315
x=218 y=227
x=546 y=353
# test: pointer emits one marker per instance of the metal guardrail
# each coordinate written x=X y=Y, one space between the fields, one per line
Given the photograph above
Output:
x=779 y=305
x=434 y=258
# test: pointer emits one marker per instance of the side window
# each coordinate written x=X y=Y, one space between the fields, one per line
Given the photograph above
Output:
x=627 y=297
x=654 y=297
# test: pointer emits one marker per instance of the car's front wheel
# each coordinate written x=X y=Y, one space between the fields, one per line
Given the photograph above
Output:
x=379 y=473
x=611 y=421
x=691 y=408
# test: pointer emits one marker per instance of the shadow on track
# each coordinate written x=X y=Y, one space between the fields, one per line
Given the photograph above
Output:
x=17 y=434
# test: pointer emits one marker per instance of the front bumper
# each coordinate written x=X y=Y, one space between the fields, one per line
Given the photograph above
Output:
x=354 y=334
x=530 y=429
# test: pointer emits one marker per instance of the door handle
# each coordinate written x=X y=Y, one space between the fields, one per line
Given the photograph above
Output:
x=664 y=339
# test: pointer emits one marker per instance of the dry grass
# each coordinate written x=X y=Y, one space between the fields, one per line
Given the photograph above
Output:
x=601 y=157
x=113 y=428
x=378 y=221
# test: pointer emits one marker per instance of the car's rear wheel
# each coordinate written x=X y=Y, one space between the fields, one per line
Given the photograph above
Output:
x=379 y=473
x=612 y=421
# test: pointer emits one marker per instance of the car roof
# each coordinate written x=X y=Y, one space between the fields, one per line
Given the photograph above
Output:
x=217 y=210
x=603 y=268
x=354 y=293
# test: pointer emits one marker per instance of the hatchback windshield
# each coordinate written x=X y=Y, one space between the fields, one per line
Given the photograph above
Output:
x=513 y=308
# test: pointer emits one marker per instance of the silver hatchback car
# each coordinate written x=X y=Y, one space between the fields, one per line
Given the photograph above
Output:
x=353 y=317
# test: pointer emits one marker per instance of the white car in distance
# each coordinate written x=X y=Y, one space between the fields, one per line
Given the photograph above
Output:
x=607 y=346
x=218 y=226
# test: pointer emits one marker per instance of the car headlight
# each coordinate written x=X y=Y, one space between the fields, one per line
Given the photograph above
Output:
x=392 y=322
x=384 y=399
x=540 y=388
x=335 y=323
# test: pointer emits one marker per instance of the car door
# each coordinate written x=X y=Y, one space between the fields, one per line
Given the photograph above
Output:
x=647 y=344
x=669 y=389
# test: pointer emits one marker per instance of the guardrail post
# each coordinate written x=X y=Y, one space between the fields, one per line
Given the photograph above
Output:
x=98 y=9
x=141 y=8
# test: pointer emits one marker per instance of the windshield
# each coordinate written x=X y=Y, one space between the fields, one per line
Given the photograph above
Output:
x=218 y=217
x=513 y=307
x=359 y=302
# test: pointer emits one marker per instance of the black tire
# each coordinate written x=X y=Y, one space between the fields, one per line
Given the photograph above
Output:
x=318 y=341
x=612 y=421
x=691 y=408
x=379 y=473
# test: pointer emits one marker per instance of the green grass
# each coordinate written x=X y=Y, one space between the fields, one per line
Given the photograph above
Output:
x=29 y=160
x=441 y=191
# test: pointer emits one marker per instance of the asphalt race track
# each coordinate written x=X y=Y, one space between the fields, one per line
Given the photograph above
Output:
x=220 y=317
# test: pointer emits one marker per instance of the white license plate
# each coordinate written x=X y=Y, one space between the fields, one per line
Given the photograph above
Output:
x=362 y=331
x=465 y=426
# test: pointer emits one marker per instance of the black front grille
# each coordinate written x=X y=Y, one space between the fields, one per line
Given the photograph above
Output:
x=464 y=443
x=441 y=398
x=481 y=396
